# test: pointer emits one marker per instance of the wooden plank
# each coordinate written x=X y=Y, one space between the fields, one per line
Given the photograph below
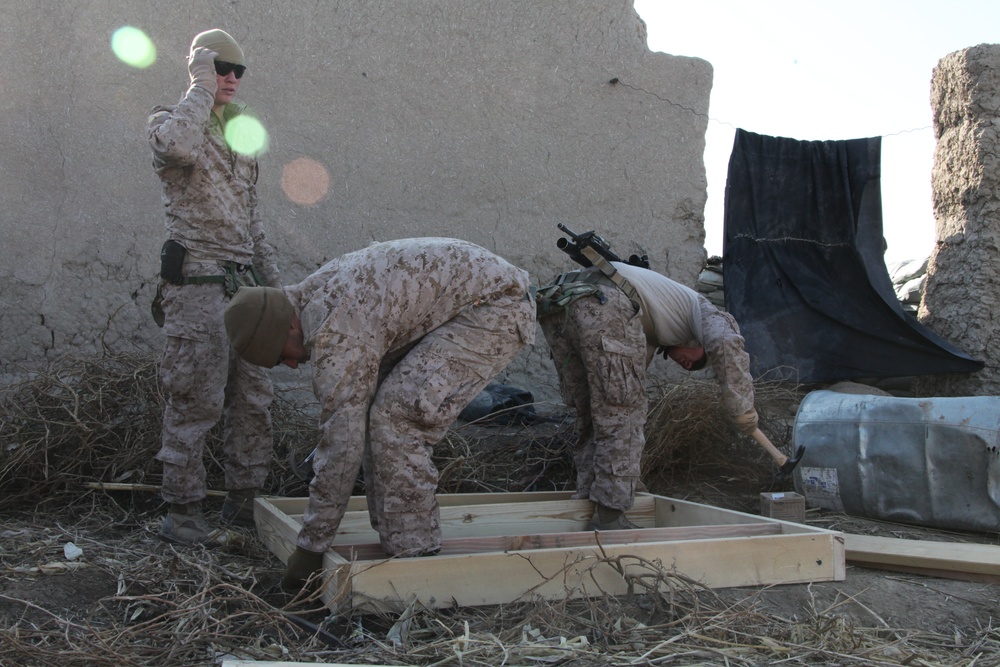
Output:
x=674 y=512
x=276 y=528
x=295 y=506
x=279 y=522
x=496 y=578
x=507 y=513
x=278 y=532
x=469 y=545
x=951 y=560
x=152 y=488
x=497 y=519
x=719 y=548
x=452 y=499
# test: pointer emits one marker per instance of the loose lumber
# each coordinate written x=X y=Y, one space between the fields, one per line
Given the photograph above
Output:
x=504 y=547
x=949 y=560
x=469 y=545
x=121 y=486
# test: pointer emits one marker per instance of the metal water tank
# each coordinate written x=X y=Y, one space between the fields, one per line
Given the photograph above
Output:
x=924 y=461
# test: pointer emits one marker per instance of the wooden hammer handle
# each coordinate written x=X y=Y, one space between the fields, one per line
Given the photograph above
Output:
x=775 y=453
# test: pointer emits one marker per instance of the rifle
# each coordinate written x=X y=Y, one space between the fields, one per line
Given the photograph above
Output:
x=574 y=248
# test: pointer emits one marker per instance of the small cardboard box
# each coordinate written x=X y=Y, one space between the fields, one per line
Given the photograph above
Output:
x=784 y=506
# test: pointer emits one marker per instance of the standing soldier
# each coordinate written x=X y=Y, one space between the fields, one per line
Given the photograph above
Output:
x=604 y=325
x=215 y=243
x=402 y=335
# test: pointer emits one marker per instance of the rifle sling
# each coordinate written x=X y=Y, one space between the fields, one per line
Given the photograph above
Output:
x=604 y=266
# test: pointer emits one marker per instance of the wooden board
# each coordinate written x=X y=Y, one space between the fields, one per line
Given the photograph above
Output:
x=950 y=560
x=504 y=547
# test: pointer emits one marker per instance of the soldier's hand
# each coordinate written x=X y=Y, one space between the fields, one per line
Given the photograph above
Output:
x=747 y=422
x=302 y=565
x=201 y=67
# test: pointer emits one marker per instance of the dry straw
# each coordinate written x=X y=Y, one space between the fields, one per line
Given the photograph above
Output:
x=130 y=600
x=81 y=421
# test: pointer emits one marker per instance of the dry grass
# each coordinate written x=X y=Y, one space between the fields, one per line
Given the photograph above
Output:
x=87 y=420
x=132 y=600
x=691 y=445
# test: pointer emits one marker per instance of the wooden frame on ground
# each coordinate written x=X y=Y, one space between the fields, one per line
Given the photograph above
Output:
x=507 y=547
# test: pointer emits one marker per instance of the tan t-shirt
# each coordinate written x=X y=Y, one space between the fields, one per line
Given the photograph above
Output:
x=670 y=313
x=674 y=314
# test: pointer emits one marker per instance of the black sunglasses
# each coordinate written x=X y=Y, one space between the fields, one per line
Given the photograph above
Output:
x=222 y=68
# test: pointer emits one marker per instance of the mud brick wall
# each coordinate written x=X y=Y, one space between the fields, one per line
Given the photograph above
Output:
x=961 y=299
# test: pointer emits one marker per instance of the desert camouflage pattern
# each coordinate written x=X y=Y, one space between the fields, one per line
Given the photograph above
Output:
x=210 y=198
x=599 y=351
x=203 y=381
x=727 y=358
x=209 y=191
x=402 y=335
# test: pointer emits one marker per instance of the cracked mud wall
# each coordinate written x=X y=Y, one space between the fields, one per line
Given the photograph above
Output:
x=961 y=301
x=489 y=121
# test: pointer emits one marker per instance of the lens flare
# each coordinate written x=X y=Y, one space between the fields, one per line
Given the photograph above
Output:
x=245 y=134
x=305 y=181
x=133 y=47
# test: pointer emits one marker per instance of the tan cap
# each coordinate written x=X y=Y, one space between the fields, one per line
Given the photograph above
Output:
x=258 y=320
x=222 y=43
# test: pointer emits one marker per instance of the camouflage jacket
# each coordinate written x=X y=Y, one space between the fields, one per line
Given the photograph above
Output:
x=389 y=295
x=209 y=191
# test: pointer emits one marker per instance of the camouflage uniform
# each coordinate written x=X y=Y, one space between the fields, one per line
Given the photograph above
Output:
x=602 y=343
x=402 y=336
x=210 y=197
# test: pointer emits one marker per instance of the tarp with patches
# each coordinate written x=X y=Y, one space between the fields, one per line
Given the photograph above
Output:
x=804 y=270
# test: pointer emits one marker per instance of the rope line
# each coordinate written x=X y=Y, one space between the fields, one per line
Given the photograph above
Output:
x=618 y=82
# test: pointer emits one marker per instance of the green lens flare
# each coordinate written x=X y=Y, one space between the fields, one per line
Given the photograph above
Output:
x=245 y=134
x=133 y=47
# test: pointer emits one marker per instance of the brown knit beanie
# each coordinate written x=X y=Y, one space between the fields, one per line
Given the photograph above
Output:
x=222 y=43
x=258 y=320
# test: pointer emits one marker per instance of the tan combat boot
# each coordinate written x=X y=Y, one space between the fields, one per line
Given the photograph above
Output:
x=606 y=518
x=237 y=509
x=185 y=524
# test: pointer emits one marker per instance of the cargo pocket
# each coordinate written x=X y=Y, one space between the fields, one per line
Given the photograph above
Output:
x=173 y=456
x=194 y=312
x=396 y=504
x=621 y=372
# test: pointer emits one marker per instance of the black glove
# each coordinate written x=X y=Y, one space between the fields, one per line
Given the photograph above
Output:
x=788 y=466
x=302 y=565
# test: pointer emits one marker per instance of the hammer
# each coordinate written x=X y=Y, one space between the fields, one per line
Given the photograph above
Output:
x=785 y=464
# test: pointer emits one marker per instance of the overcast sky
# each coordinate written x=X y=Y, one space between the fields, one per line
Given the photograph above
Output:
x=819 y=70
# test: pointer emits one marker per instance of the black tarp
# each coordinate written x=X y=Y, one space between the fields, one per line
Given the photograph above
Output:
x=803 y=266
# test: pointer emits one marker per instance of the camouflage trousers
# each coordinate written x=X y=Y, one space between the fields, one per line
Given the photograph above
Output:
x=204 y=381
x=387 y=415
x=599 y=351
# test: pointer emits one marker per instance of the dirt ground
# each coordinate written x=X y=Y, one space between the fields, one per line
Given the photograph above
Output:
x=871 y=598
x=45 y=595
x=130 y=599
x=51 y=585
x=126 y=577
